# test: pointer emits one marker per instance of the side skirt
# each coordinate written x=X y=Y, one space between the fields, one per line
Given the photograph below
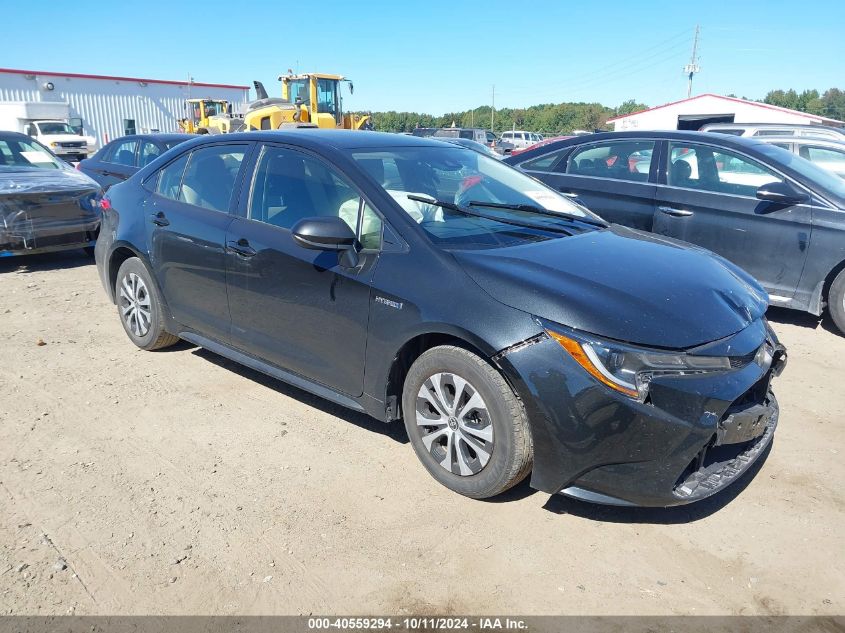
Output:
x=272 y=371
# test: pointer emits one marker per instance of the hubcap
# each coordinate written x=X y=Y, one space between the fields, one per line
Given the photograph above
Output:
x=454 y=424
x=135 y=304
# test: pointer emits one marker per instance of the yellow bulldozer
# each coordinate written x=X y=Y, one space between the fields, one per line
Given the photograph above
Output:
x=308 y=100
x=209 y=116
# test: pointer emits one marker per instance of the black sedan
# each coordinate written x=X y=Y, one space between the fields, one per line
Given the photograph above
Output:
x=512 y=330
x=121 y=158
x=45 y=205
x=778 y=216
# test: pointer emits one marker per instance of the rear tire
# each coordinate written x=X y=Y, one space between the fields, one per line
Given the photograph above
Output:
x=836 y=301
x=139 y=307
x=478 y=442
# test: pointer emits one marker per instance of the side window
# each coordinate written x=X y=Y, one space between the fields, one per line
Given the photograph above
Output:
x=716 y=170
x=465 y=134
x=546 y=162
x=506 y=136
x=149 y=152
x=620 y=160
x=490 y=137
x=170 y=178
x=831 y=159
x=210 y=177
x=289 y=186
x=122 y=153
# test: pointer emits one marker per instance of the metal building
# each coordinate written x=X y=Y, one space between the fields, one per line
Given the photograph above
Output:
x=692 y=113
x=110 y=107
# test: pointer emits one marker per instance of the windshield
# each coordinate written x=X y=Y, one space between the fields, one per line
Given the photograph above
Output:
x=26 y=154
x=55 y=127
x=459 y=176
x=298 y=88
x=819 y=178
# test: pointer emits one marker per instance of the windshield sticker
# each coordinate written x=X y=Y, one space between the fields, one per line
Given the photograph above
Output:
x=37 y=158
x=552 y=202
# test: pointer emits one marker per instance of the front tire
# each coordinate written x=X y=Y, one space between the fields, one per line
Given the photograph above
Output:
x=140 y=307
x=465 y=423
x=836 y=301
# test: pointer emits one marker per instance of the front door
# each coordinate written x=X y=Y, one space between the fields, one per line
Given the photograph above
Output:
x=301 y=310
x=611 y=178
x=186 y=225
x=709 y=199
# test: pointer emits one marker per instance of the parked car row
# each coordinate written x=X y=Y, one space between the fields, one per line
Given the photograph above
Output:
x=766 y=209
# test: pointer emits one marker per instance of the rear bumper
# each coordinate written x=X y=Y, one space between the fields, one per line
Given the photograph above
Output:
x=684 y=445
x=21 y=234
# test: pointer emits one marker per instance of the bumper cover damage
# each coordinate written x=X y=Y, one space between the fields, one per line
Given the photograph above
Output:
x=694 y=436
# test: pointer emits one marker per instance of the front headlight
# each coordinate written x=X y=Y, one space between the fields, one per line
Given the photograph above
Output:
x=629 y=369
x=54 y=144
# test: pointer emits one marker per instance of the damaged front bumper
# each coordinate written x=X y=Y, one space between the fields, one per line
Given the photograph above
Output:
x=695 y=435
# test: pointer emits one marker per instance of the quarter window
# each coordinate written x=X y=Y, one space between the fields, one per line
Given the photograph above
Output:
x=170 y=178
x=719 y=171
x=289 y=186
x=209 y=179
x=619 y=160
x=546 y=162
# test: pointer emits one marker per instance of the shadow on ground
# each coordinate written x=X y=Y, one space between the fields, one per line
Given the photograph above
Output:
x=802 y=319
x=45 y=261
x=395 y=430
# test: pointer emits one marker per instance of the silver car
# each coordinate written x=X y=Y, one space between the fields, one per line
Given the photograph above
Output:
x=825 y=153
x=775 y=129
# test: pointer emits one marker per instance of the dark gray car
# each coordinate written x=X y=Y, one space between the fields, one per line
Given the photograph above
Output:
x=118 y=160
x=776 y=215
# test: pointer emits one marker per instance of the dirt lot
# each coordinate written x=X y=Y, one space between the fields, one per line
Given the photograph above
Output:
x=177 y=482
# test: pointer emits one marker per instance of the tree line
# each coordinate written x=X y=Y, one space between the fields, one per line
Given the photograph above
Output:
x=563 y=118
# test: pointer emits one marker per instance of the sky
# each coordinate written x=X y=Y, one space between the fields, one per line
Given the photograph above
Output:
x=445 y=56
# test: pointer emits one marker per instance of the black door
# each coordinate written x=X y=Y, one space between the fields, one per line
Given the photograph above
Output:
x=710 y=200
x=299 y=309
x=187 y=224
x=612 y=178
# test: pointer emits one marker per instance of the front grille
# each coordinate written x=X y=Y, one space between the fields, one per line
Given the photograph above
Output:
x=70 y=145
x=742 y=361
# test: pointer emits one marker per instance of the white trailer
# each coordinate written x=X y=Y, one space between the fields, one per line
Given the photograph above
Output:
x=48 y=123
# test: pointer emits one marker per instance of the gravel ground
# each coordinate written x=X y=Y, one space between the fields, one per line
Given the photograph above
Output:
x=177 y=482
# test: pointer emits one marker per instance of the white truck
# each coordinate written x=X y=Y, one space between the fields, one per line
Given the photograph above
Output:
x=48 y=123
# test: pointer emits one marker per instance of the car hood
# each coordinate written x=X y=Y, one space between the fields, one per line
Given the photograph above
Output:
x=622 y=284
x=15 y=181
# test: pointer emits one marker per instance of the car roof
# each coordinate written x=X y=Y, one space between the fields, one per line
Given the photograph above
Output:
x=789 y=138
x=14 y=135
x=336 y=139
x=159 y=136
x=738 y=142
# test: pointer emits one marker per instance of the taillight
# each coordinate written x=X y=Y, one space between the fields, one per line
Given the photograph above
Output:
x=105 y=204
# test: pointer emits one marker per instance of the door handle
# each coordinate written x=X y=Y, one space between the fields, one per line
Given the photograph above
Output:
x=159 y=219
x=675 y=213
x=241 y=247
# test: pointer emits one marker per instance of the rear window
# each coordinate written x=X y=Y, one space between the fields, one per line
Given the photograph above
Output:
x=26 y=154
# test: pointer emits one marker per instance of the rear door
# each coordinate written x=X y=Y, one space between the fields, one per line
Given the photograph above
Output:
x=613 y=178
x=301 y=309
x=186 y=227
x=117 y=164
x=708 y=197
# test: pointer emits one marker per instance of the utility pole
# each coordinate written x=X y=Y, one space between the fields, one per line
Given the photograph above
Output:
x=493 y=110
x=693 y=67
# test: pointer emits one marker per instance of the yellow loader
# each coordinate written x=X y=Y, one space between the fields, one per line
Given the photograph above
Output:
x=308 y=100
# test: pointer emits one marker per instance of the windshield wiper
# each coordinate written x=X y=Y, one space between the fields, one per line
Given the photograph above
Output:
x=530 y=208
x=454 y=207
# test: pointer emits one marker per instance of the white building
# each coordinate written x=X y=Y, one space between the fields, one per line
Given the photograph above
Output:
x=692 y=113
x=110 y=107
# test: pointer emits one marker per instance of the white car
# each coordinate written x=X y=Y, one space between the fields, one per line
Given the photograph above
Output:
x=62 y=140
x=521 y=139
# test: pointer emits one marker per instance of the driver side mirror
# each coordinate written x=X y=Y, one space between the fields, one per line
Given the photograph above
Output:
x=329 y=233
x=31 y=130
x=781 y=193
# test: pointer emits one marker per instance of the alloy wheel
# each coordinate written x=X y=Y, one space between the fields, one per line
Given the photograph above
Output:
x=135 y=304
x=454 y=424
